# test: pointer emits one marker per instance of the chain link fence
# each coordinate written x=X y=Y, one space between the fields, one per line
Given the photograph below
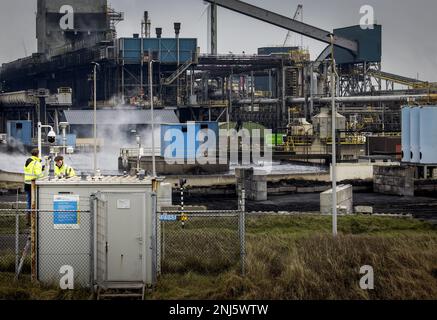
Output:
x=203 y=242
x=208 y=242
x=64 y=238
x=14 y=234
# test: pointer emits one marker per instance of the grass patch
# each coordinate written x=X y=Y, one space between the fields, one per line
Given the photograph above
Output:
x=7 y=224
x=23 y=289
x=7 y=262
x=295 y=257
x=288 y=257
x=301 y=225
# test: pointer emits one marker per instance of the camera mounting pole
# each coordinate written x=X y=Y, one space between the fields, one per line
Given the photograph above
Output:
x=51 y=137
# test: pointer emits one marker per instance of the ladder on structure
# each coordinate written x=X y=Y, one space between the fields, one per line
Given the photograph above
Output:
x=121 y=290
x=177 y=73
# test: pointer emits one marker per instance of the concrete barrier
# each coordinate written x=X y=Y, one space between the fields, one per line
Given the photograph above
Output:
x=11 y=181
x=254 y=185
x=393 y=180
x=344 y=200
x=364 y=209
x=358 y=171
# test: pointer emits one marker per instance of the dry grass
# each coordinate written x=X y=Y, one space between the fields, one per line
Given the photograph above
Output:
x=297 y=258
x=320 y=267
x=289 y=258
x=23 y=289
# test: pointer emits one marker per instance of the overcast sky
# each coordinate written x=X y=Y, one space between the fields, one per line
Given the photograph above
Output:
x=409 y=27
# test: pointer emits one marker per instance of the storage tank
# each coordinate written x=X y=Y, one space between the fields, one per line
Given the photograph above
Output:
x=428 y=135
x=406 y=145
x=415 y=134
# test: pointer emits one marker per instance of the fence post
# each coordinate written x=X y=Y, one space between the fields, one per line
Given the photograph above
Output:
x=93 y=241
x=33 y=232
x=242 y=231
x=17 y=239
x=156 y=263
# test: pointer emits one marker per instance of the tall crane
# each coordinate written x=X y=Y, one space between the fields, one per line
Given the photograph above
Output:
x=299 y=13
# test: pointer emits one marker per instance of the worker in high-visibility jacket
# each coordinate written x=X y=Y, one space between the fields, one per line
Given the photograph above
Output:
x=33 y=170
x=63 y=170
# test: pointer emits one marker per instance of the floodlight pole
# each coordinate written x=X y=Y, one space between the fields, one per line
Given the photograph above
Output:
x=153 y=116
x=334 y=142
x=95 y=117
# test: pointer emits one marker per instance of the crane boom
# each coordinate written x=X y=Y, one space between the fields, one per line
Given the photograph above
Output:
x=286 y=23
x=296 y=15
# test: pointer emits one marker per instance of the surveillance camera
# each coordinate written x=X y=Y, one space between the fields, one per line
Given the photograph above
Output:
x=51 y=137
x=70 y=150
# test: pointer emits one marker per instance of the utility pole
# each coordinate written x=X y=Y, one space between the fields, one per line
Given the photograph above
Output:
x=143 y=31
x=95 y=117
x=334 y=142
x=152 y=115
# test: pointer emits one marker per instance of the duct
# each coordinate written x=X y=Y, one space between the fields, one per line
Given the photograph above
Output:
x=387 y=98
x=18 y=98
x=30 y=98
x=257 y=101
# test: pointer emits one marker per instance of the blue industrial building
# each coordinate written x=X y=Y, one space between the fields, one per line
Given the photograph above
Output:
x=165 y=50
x=19 y=132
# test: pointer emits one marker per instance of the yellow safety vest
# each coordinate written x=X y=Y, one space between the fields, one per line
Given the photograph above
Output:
x=33 y=170
x=64 y=171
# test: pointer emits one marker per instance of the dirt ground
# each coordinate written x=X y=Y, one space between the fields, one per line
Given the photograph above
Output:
x=419 y=207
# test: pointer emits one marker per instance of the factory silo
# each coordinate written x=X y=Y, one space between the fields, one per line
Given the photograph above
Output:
x=428 y=135
x=406 y=145
x=415 y=134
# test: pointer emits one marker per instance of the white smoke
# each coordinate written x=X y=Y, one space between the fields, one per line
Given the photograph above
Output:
x=114 y=138
x=12 y=162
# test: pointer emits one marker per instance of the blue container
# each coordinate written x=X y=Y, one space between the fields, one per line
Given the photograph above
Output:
x=415 y=134
x=165 y=49
x=180 y=141
x=428 y=135
x=20 y=131
x=406 y=145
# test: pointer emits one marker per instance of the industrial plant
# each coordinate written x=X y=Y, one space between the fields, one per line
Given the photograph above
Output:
x=176 y=134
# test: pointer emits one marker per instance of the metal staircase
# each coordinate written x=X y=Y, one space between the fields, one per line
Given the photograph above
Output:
x=179 y=71
x=121 y=291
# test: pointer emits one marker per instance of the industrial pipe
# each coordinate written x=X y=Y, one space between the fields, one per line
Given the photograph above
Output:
x=365 y=98
x=387 y=98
